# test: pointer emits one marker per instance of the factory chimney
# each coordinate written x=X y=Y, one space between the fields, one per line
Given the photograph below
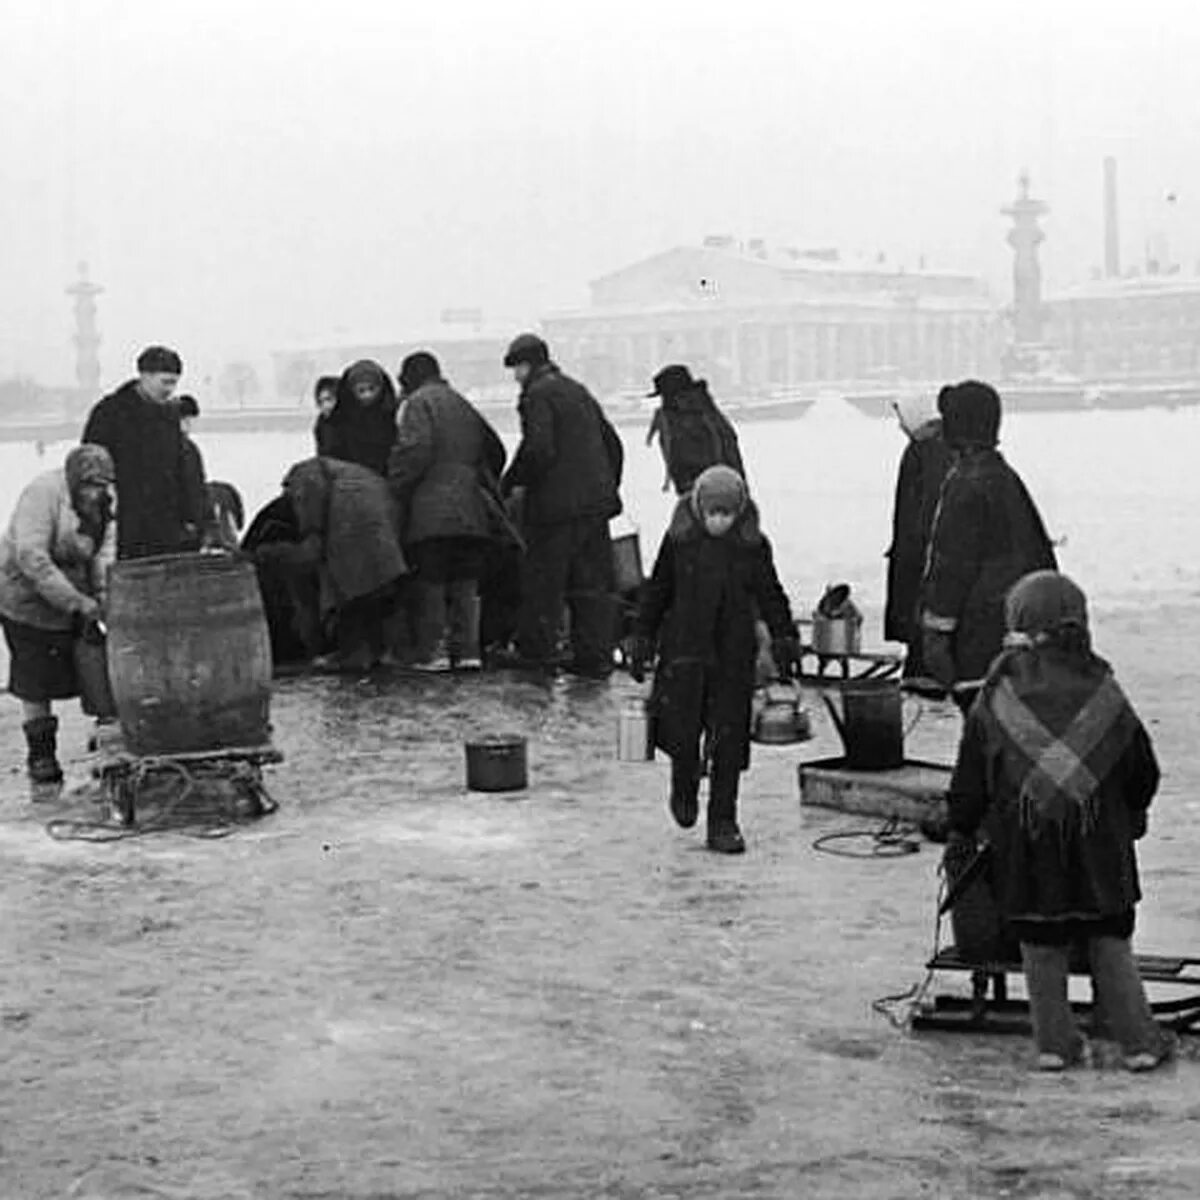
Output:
x=1112 y=240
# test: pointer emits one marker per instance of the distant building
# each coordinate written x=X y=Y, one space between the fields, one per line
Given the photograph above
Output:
x=753 y=318
x=470 y=352
x=1134 y=328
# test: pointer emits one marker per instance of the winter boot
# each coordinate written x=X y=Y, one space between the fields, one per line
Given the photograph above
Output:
x=685 y=784
x=724 y=836
x=41 y=734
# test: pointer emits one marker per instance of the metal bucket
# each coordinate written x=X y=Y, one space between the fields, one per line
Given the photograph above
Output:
x=497 y=764
x=871 y=724
x=91 y=672
x=836 y=635
x=635 y=742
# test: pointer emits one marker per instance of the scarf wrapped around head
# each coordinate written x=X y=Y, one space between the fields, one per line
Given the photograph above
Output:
x=90 y=464
x=1054 y=708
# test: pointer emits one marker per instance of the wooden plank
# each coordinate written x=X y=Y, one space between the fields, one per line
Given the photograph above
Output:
x=913 y=792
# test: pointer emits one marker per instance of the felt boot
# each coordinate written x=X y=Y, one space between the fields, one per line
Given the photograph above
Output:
x=41 y=736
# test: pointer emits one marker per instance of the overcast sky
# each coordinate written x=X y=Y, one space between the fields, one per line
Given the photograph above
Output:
x=241 y=174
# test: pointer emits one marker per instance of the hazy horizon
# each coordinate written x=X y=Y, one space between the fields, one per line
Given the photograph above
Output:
x=240 y=177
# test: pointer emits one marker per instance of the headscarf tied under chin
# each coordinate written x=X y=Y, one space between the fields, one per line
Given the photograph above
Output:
x=718 y=487
x=1058 y=715
x=91 y=464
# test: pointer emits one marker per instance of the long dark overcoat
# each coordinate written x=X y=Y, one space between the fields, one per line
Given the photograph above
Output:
x=987 y=534
x=570 y=457
x=696 y=435
x=700 y=604
x=160 y=493
x=923 y=468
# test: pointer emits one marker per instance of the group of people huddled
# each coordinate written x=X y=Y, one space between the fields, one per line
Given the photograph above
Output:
x=408 y=537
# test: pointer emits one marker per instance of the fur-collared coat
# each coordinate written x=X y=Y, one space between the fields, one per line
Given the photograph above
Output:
x=700 y=605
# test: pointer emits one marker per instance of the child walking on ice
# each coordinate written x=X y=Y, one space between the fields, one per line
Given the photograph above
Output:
x=713 y=576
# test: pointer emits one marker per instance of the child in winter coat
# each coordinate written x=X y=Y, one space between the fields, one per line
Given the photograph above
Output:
x=1058 y=771
x=714 y=574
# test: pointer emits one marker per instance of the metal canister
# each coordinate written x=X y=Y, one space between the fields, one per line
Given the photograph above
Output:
x=634 y=743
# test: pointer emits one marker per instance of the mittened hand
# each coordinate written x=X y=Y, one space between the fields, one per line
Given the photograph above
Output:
x=786 y=654
x=938 y=651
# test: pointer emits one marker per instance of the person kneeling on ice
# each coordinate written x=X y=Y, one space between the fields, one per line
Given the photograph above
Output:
x=713 y=575
x=54 y=560
x=1057 y=769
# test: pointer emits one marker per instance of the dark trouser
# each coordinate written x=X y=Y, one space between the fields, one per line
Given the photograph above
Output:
x=724 y=774
x=568 y=562
x=1120 y=997
x=362 y=626
x=447 y=596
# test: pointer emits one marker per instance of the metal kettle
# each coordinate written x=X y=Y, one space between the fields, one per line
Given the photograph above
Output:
x=781 y=720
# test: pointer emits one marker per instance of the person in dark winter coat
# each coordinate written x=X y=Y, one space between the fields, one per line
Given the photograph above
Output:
x=444 y=473
x=987 y=533
x=325 y=395
x=362 y=427
x=693 y=433
x=160 y=498
x=290 y=589
x=714 y=573
x=347 y=524
x=1058 y=772
x=569 y=465
x=923 y=468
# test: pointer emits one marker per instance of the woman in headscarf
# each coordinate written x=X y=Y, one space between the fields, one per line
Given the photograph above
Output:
x=923 y=467
x=987 y=533
x=713 y=575
x=54 y=560
x=362 y=426
x=1058 y=771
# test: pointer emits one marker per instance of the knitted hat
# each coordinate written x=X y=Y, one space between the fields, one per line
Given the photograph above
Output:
x=159 y=360
x=719 y=487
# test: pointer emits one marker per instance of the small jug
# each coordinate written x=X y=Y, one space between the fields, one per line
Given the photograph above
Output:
x=634 y=740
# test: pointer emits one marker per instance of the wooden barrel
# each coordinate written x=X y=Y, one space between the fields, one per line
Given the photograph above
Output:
x=189 y=656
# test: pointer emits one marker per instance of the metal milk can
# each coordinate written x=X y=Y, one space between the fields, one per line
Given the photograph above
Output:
x=634 y=742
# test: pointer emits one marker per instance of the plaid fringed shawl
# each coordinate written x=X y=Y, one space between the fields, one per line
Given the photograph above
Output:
x=1060 y=740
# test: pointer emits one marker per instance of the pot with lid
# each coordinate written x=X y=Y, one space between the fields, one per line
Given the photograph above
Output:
x=837 y=623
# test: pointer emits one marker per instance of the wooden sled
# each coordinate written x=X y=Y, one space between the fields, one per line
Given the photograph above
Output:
x=989 y=1009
